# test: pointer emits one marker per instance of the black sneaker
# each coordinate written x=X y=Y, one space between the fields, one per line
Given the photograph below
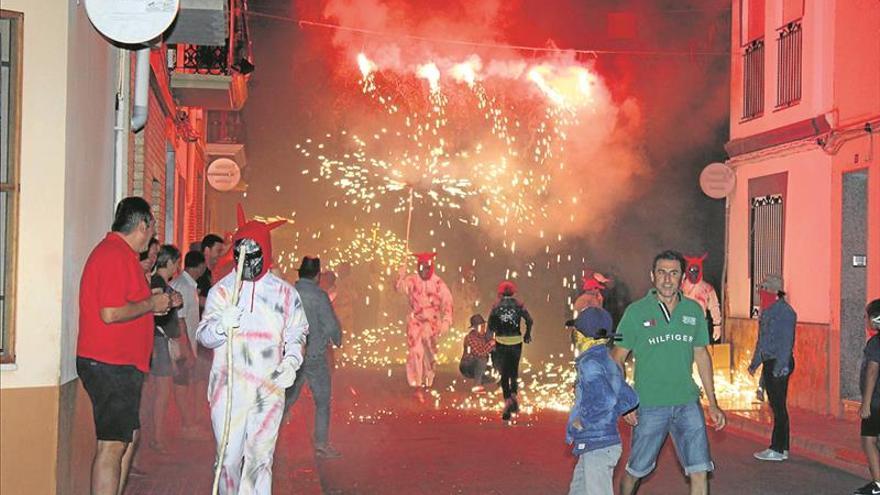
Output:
x=871 y=488
x=505 y=416
x=514 y=406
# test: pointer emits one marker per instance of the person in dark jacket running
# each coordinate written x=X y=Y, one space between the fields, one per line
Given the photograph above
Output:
x=504 y=323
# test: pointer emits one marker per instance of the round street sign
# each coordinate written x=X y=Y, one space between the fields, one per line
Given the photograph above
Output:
x=132 y=21
x=717 y=180
x=223 y=174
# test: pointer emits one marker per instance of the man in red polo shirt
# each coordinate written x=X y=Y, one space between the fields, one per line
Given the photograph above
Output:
x=116 y=311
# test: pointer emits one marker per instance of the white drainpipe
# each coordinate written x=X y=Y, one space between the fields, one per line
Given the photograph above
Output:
x=138 y=116
x=141 y=89
x=121 y=126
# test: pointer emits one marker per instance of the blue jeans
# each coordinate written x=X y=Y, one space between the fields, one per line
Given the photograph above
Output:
x=594 y=472
x=688 y=428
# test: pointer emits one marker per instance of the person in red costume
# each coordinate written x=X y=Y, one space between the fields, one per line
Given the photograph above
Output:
x=430 y=315
x=701 y=291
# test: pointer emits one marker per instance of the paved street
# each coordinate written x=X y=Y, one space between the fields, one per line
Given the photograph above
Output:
x=393 y=442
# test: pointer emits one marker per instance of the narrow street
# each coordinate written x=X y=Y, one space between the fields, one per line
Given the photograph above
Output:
x=392 y=443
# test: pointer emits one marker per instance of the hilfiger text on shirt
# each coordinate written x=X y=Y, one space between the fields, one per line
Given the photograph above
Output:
x=677 y=337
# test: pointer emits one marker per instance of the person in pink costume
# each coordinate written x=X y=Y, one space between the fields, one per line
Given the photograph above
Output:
x=430 y=315
x=701 y=291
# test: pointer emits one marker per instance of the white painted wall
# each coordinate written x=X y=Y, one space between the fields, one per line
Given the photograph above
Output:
x=91 y=86
x=64 y=137
x=807 y=248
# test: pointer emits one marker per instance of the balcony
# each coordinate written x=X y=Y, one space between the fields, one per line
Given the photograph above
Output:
x=214 y=77
x=200 y=22
x=226 y=136
x=753 y=80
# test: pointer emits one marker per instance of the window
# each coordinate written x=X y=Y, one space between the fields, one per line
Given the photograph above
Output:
x=753 y=80
x=10 y=95
x=789 y=45
x=766 y=230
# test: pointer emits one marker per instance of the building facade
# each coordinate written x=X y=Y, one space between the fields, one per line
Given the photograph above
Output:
x=69 y=153
x=805 y=149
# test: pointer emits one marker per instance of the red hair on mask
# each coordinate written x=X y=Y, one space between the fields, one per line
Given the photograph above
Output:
x=248 y=229
x=426 y=259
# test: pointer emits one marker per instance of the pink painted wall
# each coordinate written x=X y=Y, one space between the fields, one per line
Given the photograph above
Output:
x=807 y=248
x=818 y=59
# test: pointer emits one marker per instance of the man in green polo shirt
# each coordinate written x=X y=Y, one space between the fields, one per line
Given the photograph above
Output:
x=666 y=333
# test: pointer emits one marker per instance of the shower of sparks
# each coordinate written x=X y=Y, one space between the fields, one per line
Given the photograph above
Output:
x=548 y=386
x=373 y=244
x=476 y=158
x=470 y=152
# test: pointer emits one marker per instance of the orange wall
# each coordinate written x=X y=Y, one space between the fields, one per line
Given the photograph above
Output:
x=811 y=382
x=29 y=432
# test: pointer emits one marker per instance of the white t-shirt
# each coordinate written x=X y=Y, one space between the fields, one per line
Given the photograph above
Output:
x=189 y=312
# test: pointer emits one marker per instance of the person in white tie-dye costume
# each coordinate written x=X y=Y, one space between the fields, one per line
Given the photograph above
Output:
x=269 y=328
x=430 y=315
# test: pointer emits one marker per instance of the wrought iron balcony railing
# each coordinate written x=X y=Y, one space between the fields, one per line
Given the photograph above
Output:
x=753 y=80
x=790 y=48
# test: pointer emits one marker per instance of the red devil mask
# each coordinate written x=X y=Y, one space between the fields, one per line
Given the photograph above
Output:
x=257 y=231
x=694 y=269
x=425 y=264
x=591 y=284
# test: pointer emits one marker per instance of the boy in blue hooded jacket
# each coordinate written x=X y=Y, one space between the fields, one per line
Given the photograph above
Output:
x=601 y=397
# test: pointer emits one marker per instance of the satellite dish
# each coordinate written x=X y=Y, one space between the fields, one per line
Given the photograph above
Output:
x=717 y=180
x=132 y=21
x=223 y=174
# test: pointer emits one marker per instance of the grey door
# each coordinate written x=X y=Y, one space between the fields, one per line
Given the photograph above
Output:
x=853 y=279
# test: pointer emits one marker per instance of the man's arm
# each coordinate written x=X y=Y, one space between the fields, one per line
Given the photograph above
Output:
x=870 y=384
x=704 y=368
x=446 y=305
x=619 y=355
x=156 y=303
x=184 y=339
x=294 y=333
x=211 y=332
x=329 y=321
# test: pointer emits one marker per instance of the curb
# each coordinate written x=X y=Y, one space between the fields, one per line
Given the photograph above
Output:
x=845 y=458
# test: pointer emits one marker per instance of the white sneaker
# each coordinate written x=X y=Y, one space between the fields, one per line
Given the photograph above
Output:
x=770 y=455
x=784 y=455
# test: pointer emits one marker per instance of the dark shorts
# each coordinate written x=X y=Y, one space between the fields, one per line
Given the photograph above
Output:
x=871 y=425
x=115 y=392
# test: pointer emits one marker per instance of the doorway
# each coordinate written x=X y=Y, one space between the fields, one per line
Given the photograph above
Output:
x=853 y=280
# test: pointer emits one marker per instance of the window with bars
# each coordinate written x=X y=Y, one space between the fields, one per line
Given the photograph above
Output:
x=753 y=79
x=10 y=94
x=789 y=45
x=766 y=241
